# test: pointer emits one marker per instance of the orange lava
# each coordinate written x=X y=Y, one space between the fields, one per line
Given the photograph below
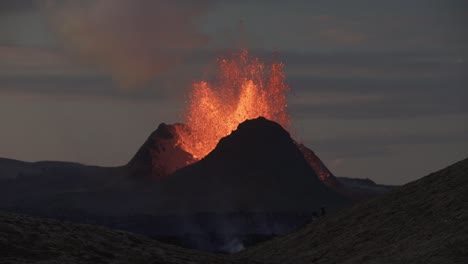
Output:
x=245 y=88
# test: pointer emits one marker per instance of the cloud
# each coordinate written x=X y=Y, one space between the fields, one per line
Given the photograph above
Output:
x=14 y=6
x=390 y=107
x=47 y=72
x=23 y=61
x=379 y=99
x=374 y=141
x=132 y=40
x=376 y=85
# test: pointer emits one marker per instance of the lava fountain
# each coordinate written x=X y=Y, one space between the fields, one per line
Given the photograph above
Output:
x=245 y=88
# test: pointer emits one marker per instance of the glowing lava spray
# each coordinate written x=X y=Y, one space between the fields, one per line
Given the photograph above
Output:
x=245 y=88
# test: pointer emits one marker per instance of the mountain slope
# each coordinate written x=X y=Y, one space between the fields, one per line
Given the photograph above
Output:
x=12 y=169
x=258 y=167
x=33 y=240
x=422 y=222
x=319 y=167
x=160 y=155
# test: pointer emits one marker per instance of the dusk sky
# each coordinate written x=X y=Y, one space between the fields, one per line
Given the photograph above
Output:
x=378 y=88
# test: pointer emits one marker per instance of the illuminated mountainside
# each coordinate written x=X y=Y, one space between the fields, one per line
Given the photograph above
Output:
x=160 y=155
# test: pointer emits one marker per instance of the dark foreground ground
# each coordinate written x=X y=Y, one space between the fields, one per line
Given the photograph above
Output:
x=31 y=240
x=425 y=221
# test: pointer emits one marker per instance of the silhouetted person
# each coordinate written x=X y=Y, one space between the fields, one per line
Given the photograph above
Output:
x=323 y=211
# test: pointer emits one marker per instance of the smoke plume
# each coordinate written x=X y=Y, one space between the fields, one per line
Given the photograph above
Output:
x=133 y=40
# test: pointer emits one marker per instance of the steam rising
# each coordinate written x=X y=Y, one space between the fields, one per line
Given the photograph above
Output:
x=133 y=40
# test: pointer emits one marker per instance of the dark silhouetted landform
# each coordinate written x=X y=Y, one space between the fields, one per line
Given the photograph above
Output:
x=421 y=222
x=25 y=239
x=256 y=184
x=425 y=221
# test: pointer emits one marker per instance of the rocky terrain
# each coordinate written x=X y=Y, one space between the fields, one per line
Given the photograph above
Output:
x=425 y=221
x=32 y=240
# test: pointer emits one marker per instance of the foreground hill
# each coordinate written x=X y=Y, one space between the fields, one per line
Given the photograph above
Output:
x=33 y=240
x=425 y=221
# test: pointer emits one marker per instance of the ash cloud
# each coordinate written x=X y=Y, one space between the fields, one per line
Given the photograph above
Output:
x=134 y=41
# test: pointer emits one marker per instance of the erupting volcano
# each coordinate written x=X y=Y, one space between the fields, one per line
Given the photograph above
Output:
x=245 y=88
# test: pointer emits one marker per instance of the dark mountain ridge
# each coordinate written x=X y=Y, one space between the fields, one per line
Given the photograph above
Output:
x=257 y=167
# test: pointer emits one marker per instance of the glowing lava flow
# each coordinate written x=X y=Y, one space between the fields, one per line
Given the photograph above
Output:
x=245 y=88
